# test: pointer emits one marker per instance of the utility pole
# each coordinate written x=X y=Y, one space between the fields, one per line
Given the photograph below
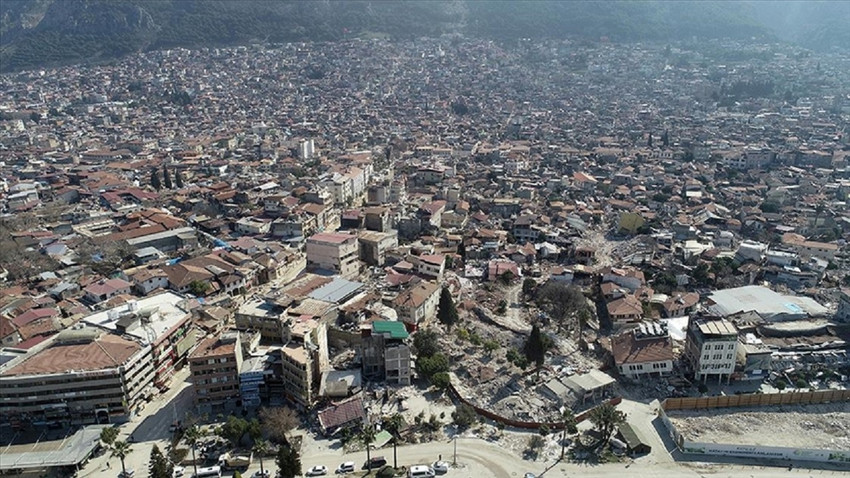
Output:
x=454 y=463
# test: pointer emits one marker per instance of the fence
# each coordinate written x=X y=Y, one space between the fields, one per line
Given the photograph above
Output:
x=756 y=400
x=519 y=423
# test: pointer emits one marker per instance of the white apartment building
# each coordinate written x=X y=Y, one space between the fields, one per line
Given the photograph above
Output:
x=712 y=348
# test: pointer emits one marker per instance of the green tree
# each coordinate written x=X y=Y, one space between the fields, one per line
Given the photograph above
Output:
x=367 y=436
x=198 y=288
x=506 y=277
x=192 y=436
x=261 y=448
x=121 y=450
x=568 y=419
x=425 y=343
x=535 y=443
x=606 y=418
x=441 y=380
x=108 y=435
x=288 y=462
x=446 y=310
x=155 y=182
x=528 y=286
x=461 y=251
x=536 y=346
x=430 y=366
x=160 y=467
x=166 y=177
x=649 y=140
x=464 y=416
x=178 y=179
x=393 y=424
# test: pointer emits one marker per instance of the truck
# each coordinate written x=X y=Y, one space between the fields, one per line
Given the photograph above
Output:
x=235 y=462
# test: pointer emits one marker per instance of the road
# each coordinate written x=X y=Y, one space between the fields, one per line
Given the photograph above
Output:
x=150 y=427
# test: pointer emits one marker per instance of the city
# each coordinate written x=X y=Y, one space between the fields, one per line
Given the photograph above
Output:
x=446 y=255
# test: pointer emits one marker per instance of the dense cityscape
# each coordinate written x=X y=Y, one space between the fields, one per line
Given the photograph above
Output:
x=437 y=256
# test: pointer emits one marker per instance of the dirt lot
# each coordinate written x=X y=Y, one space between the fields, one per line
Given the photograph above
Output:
x=825 y=426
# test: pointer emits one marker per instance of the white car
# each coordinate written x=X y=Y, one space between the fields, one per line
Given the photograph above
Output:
x=347 y=467
x=440 y=466
x=261 y=474
x=317 y=470
x=529 y=475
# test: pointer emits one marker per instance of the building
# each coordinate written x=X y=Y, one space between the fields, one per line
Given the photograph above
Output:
x=418 y=303
x=771 y=305
x=215 y=366
x=106 y=289
x=711 y=348
x=252 y=380
x=300 y=372
x=385 y=354
x=644 y=351
x=374 y=246
x=265 y=316
x=333 y=252
x=625 y=310
x=83 y=375
x=160 y=323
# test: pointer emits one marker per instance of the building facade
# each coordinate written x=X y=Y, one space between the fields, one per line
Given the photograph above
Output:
x=333 y=252
x=711 y=348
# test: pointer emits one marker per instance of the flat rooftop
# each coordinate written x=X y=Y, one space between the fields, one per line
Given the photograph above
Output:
x=163 y=309
x=769 y=304
x=45 y=454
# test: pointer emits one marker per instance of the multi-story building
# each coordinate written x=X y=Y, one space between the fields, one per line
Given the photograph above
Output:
x=333 y=252
x=300 y=372
x=83 y=375
x=418 y=303
x=265 y=316
x=215 y=366
x=252 y=380
x=385 y=354
x=158 y=322
x=644 y=351
x=711 y=348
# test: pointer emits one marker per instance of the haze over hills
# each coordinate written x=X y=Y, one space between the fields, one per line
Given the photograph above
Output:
x=36 y=33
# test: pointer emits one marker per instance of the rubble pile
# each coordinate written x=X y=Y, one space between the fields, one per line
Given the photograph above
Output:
x=825 y=426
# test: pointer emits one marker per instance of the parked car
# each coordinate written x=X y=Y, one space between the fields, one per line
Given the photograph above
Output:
x=440 y=467
x=317 y=470
x=130 y=473
x=376 y=462
x=529 y=475
x=261 y=474
x=178 y=471
x=347 y=467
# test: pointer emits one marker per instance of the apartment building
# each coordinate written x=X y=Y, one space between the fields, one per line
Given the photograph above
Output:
x=215 y=366
x=711 y=348
x=418 y=303
x=300 y=372
x=386 y=355
x=333 y=252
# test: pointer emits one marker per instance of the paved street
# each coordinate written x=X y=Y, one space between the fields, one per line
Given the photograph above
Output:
x=476 y=458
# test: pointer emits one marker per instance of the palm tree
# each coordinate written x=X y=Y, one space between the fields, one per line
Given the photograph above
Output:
x=606 y=418
x=393 y=424
x=121 y=449
x=569 y=421
x=192 y=436
x=261 y=447
x=367 y=435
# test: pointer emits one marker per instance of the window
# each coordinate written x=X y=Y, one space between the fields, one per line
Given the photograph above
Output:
x=717 y=356
x=728 y=356
x=731 y=347
x=705 y=357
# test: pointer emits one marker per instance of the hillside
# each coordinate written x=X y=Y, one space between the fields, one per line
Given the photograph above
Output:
x=37 y=33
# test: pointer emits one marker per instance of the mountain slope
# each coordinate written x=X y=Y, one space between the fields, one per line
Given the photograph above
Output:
x=37 y=33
